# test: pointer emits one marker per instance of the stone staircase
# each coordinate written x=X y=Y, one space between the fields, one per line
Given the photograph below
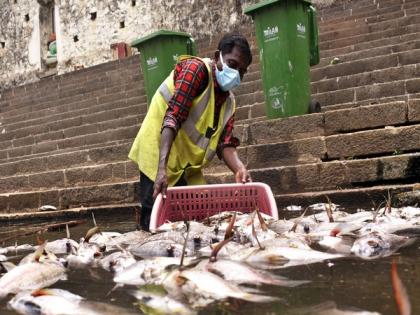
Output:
x=64 y=140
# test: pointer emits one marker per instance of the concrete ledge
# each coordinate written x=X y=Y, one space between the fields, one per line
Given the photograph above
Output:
x=365 y=117
x=333 y=175
x=88 y=196
x=286 y=129
x=371 y=142
x=32 y=217
x=414 y=110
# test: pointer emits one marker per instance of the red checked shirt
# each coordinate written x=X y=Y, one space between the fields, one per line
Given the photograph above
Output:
x=191 y=79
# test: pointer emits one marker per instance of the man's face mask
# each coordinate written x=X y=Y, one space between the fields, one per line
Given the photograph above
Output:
x=227 y=78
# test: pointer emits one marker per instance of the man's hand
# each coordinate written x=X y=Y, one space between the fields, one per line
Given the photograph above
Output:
x=161 y=184
x=231 y=158
x=242 y=176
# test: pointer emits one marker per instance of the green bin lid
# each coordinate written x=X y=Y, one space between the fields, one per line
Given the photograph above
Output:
x=142 y=40
x=250 y=10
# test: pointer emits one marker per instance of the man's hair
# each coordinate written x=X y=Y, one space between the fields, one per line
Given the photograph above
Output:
x=231 y=40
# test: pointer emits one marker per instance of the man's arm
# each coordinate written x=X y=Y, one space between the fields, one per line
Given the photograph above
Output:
x=190 y=79
x=161 y=183
x=232 y=160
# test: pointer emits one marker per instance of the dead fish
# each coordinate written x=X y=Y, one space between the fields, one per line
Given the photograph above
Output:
x=337 y=244
x=47 y=208
x=129 y=238
x=329 y=308
x=103 y=238
x=149 y=271
x=376 y=245
x=31 y=276
x=283 y=256
x=240 y=273
x=18 y=248
x=210 y=287
x=153 y=303
x=293 y=208
x=117 y=261
x=60 y=302
x=62 y=246
x=162 y=248
x=6 y=266
x=86 y=254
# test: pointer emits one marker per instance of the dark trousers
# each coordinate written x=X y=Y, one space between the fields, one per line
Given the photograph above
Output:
x=146 y=199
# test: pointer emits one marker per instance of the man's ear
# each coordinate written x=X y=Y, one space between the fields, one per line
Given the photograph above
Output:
x=216 y=55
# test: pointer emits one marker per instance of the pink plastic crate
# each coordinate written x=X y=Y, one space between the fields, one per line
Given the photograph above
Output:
x=198 y=202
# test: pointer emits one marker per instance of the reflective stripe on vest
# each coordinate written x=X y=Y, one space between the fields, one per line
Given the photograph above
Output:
x=189 y=125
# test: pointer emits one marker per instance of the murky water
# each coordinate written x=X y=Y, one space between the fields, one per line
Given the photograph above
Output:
x=349 y=282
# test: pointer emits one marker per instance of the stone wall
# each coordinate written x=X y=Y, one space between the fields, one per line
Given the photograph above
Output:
x=19 y=41
x=86 y=29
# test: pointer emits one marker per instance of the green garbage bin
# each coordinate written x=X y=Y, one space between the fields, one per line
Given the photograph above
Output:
x=287 y=37
x=159 y=53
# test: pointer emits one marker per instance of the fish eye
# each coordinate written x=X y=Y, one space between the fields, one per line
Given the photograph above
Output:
x=306 y=228
x=373 y=244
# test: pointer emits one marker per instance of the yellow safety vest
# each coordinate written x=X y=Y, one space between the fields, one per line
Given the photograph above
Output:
x=196 y=141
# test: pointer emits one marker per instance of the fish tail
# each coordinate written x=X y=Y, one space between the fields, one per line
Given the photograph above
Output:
x=256 y=298
x=287 y=282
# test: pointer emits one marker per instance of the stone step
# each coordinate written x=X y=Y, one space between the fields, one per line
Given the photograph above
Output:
x=363 y=27
x=39 y=109
x=76 y=213
x=59 y=161
x=333 y=175
x=398 y=73
x=108 y=120
x=245 y=112
x=390 y=140
x=300 y=151
x=386 y=49
x=283 y=129
x=39 y=88
x=117 y=135
x=371 y=116
x=98 y=174
x=371 y=92
x=98 y=86
x=67 y=198
x=55 y=123
x=369 y=37
x=367 y=11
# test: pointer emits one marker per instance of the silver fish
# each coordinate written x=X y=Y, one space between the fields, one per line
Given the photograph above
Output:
x=202 y=287
x=376 y=245
x=149 y=271
x=153 y=303
x=117 y=261
x=31 y=276
x=162 y=248
x=60 y=302
x=240 y=273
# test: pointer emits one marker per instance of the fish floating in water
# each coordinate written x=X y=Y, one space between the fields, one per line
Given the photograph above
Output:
x=227 y=256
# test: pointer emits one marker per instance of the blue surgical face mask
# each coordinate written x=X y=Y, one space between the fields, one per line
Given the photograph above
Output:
x=228 y=78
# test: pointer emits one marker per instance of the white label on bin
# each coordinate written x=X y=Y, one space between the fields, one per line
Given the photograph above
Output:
x=152 y=63
x=277 y=97
x=271 y=33
x=276 y=103
x=301 y=30
x=273 y=91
